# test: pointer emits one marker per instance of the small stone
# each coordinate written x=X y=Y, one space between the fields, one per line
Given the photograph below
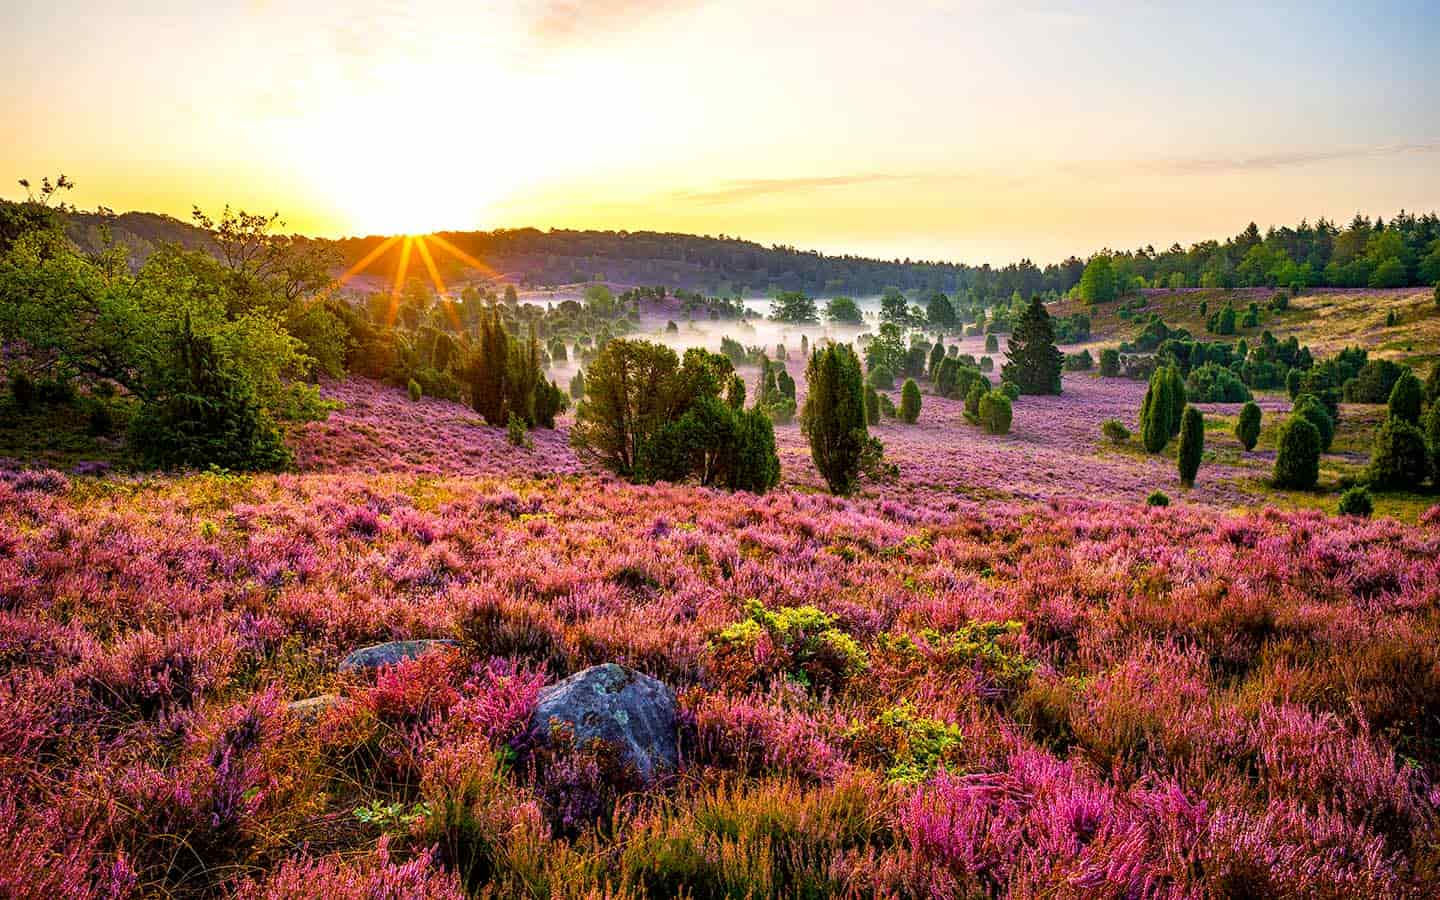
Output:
x=628 y=710
x=312 y=708
x=388 y=654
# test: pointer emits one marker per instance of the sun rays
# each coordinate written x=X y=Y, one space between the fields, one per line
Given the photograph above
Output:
x=414 y=244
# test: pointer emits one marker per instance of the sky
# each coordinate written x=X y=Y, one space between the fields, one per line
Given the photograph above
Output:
x=965 y=131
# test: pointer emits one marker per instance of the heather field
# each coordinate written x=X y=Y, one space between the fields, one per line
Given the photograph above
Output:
x=980 y=679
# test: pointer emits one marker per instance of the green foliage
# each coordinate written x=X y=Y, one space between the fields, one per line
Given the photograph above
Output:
x=1297 y=458
x=886 y=350
x=1432 y=383
x=516 y=433
x=1010 y=389
x=1311 y=408
x=1192 y=445
x=910 y=402
x=794 y=307
x=872 y=406
x=1177 y=397
x=415 y=391
x=1399 y=459
x=1356 y=502
x=1407 y=398
x=1157 y=498
x=201 y=412
x=1109 y=362
x=1373 y=382
x=1212 y=383
x=804 y=647
x=1115 y=431
x=1032 y=360
x=881 y=378
x=1155 y=412
x=908 y=746
x=995 y=412
x=843 y=311
x=1222 y=322
x=735 y=392
x=549 y=402
x=1079 y=362
x=577 y=386
x=992 y=344
x=834 y=417
x=1098 y=282
x=1247 y=428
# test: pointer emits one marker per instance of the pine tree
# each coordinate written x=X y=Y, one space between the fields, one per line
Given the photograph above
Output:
x=834 y=416
x=1176 y=394
x=489 y=370
x=1407 y=398
x=1192 y=444
x=1297 y=459
x=1033 y=362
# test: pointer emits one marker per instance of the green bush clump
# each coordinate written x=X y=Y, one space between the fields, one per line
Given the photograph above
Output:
x=1115 y=431
x=995 y=412
x=1247 y=428
x=1109 y=362
x=803 y=646
x=881 y=378
x=1157 y=498
x=908 y=746
x=1211 y=383
x=416 y=392
x=1192 y=445
x=910 y=402
x=1010 y=389
x=1297 y=460
x=1310 y=407
x=1399 y=459
x=1357 y=502
x=1407 y=398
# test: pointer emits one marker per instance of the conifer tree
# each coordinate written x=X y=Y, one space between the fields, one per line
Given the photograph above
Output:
x=910 y=402
x=834 y=416
x=1192 y=444
x=1155 y=413
x=1033 y=361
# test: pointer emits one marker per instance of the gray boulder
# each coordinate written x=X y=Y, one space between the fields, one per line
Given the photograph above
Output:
x=630 y=711
x=312 y=708
x=388 y=654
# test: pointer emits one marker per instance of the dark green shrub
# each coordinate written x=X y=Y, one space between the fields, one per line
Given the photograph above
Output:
x=910 y=402
x=1311 y=408
x=1079 y=362
x=1297 y=460
x=1432 y=436
x=1010 y=389
x=887 y=406
x=22 y=391
x=549 y=403
x=1192 y=444
x=1157 y=498
x=1033 y=362
x=203 y=414
x=881 y=378
x=872 y=406
x=1109 y=362
x=1407 y=398
x=1374 y=381
x=1177 y=399
x=735 y=392
x=987 y=364
x=577 y=386
x=1155 y=413
x=1432 y=384
x=972 y=398
x=416 y=392
x=995 y=412
x=1115 y=431
x=992 y=344
x=1247 y=429
x=515 y=431
x=834 y=416
x=1399 y=459
x=99 y=421
x=1211 y=383
x=1356 y=502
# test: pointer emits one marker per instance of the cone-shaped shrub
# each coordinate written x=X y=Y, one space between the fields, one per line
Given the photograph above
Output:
x=1155 y=413
x=834 y=416
x=1399 y=459
x=1176 y=394
x=910 y=402
x=1192 y=444
x=1407 y=398
x=1297 y=461
x=1247 y=430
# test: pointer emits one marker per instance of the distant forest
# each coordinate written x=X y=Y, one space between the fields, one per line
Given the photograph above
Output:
x=1405 y=250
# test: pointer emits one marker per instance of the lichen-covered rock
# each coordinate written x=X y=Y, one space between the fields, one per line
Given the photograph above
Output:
x=391 y=653
x=630 y=711
x=312 y=708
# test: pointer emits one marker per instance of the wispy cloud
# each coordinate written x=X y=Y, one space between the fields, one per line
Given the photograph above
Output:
x=737 y=191
x=564 y=21
x=1222 y=165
